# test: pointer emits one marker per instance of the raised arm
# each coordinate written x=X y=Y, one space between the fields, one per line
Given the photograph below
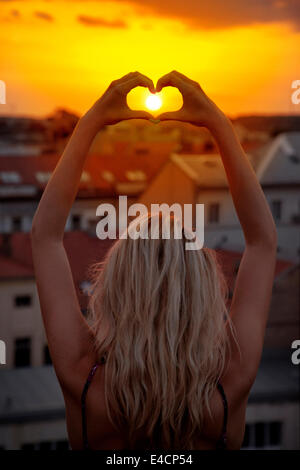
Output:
x=253 y=288
x=68 y=335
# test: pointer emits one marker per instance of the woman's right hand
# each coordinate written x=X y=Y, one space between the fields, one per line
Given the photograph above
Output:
x=197 y=108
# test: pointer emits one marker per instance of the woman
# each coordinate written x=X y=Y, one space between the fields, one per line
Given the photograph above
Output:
x=167 y=367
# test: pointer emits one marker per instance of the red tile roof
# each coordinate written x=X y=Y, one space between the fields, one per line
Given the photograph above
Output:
x=230 y=260
x=11 y=269
x=124 y=158
x=84 y=250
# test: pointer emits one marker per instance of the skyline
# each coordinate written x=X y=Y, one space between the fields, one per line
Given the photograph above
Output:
x=52 y=52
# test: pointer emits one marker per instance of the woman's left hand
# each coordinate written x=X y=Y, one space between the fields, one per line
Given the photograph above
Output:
x=112 y=107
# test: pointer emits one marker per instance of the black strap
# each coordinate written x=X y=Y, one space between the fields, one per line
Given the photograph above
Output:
x=83 y=402
x=221 y=444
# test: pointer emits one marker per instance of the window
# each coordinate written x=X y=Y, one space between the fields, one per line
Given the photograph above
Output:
x=275 y=433
x=43 y=176
x=47 y=357
x=276 y=208
x=22 y=352
x=16 y=224
x=23 y=301
x=76 y=222
x=208 y=146
x=214 y=213
x=136 y=175
x=294 y=158
x=263 y=435
x=10 y=177
x=295 y=219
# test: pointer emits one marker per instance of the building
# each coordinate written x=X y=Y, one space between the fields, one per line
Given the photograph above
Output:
x=190 y=179
x=127 y=171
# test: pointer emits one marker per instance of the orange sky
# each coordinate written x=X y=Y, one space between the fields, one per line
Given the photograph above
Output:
x=65 y=53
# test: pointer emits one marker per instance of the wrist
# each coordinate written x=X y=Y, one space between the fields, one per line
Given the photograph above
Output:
x=218 y=124
x=91 y=122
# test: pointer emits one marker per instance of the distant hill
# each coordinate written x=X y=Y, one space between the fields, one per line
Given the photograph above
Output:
x=272 y=125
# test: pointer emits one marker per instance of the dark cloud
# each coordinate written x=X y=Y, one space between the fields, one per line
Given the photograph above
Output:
x=43 y=16
x=215 y=14
x=101 y=22
x=15 y=13
x=207 y=14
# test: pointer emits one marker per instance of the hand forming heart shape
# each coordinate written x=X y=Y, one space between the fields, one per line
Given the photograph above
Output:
x=197 y=108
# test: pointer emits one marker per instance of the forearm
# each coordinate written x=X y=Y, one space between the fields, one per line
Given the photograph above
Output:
x=56 y=202
x=58 y=197
x=250 y=203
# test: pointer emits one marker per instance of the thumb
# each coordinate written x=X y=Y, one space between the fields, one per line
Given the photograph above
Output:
x=174 y=115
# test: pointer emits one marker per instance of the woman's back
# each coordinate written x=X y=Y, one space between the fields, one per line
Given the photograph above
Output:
x=90 y=428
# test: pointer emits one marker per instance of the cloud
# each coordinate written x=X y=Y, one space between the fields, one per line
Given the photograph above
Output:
x=215 y=14
x=206 y=14
x=15 y=13
x=43 y=16
x=101 y=22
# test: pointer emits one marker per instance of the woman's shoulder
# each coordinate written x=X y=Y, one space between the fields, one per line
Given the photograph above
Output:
x=88 y=384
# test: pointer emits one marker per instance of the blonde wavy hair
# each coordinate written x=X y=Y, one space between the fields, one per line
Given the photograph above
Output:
x=158 y=312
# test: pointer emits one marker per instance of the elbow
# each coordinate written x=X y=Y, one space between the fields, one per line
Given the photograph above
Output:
x=41 y=235
x=270 y=239
x=266 y=240
x=35 y=233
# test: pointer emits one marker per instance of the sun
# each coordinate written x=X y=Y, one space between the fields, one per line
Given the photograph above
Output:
x=153 y=102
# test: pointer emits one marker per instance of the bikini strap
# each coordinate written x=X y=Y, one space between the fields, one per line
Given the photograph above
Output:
x=222 y=442
x=83 y=401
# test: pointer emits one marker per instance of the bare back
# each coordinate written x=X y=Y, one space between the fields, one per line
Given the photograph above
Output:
x=102 y=435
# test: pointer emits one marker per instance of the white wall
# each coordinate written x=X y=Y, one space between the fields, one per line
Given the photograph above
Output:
x=20 y=322
x=13 y=436
x=287 y=413
x=228 y=226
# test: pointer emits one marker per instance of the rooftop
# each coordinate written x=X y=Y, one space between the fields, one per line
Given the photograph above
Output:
x=130 y=167
x=275 y=161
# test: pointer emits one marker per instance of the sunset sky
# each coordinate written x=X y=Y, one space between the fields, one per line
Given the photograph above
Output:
x=245 y=54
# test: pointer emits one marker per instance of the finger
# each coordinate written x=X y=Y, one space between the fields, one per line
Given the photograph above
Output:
x=190 y=84
x=170 y=116
x=128 y=75
x=152 y=89
x=139 y=80
x=184 y=77
x=120 y=80
x=170 y=79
